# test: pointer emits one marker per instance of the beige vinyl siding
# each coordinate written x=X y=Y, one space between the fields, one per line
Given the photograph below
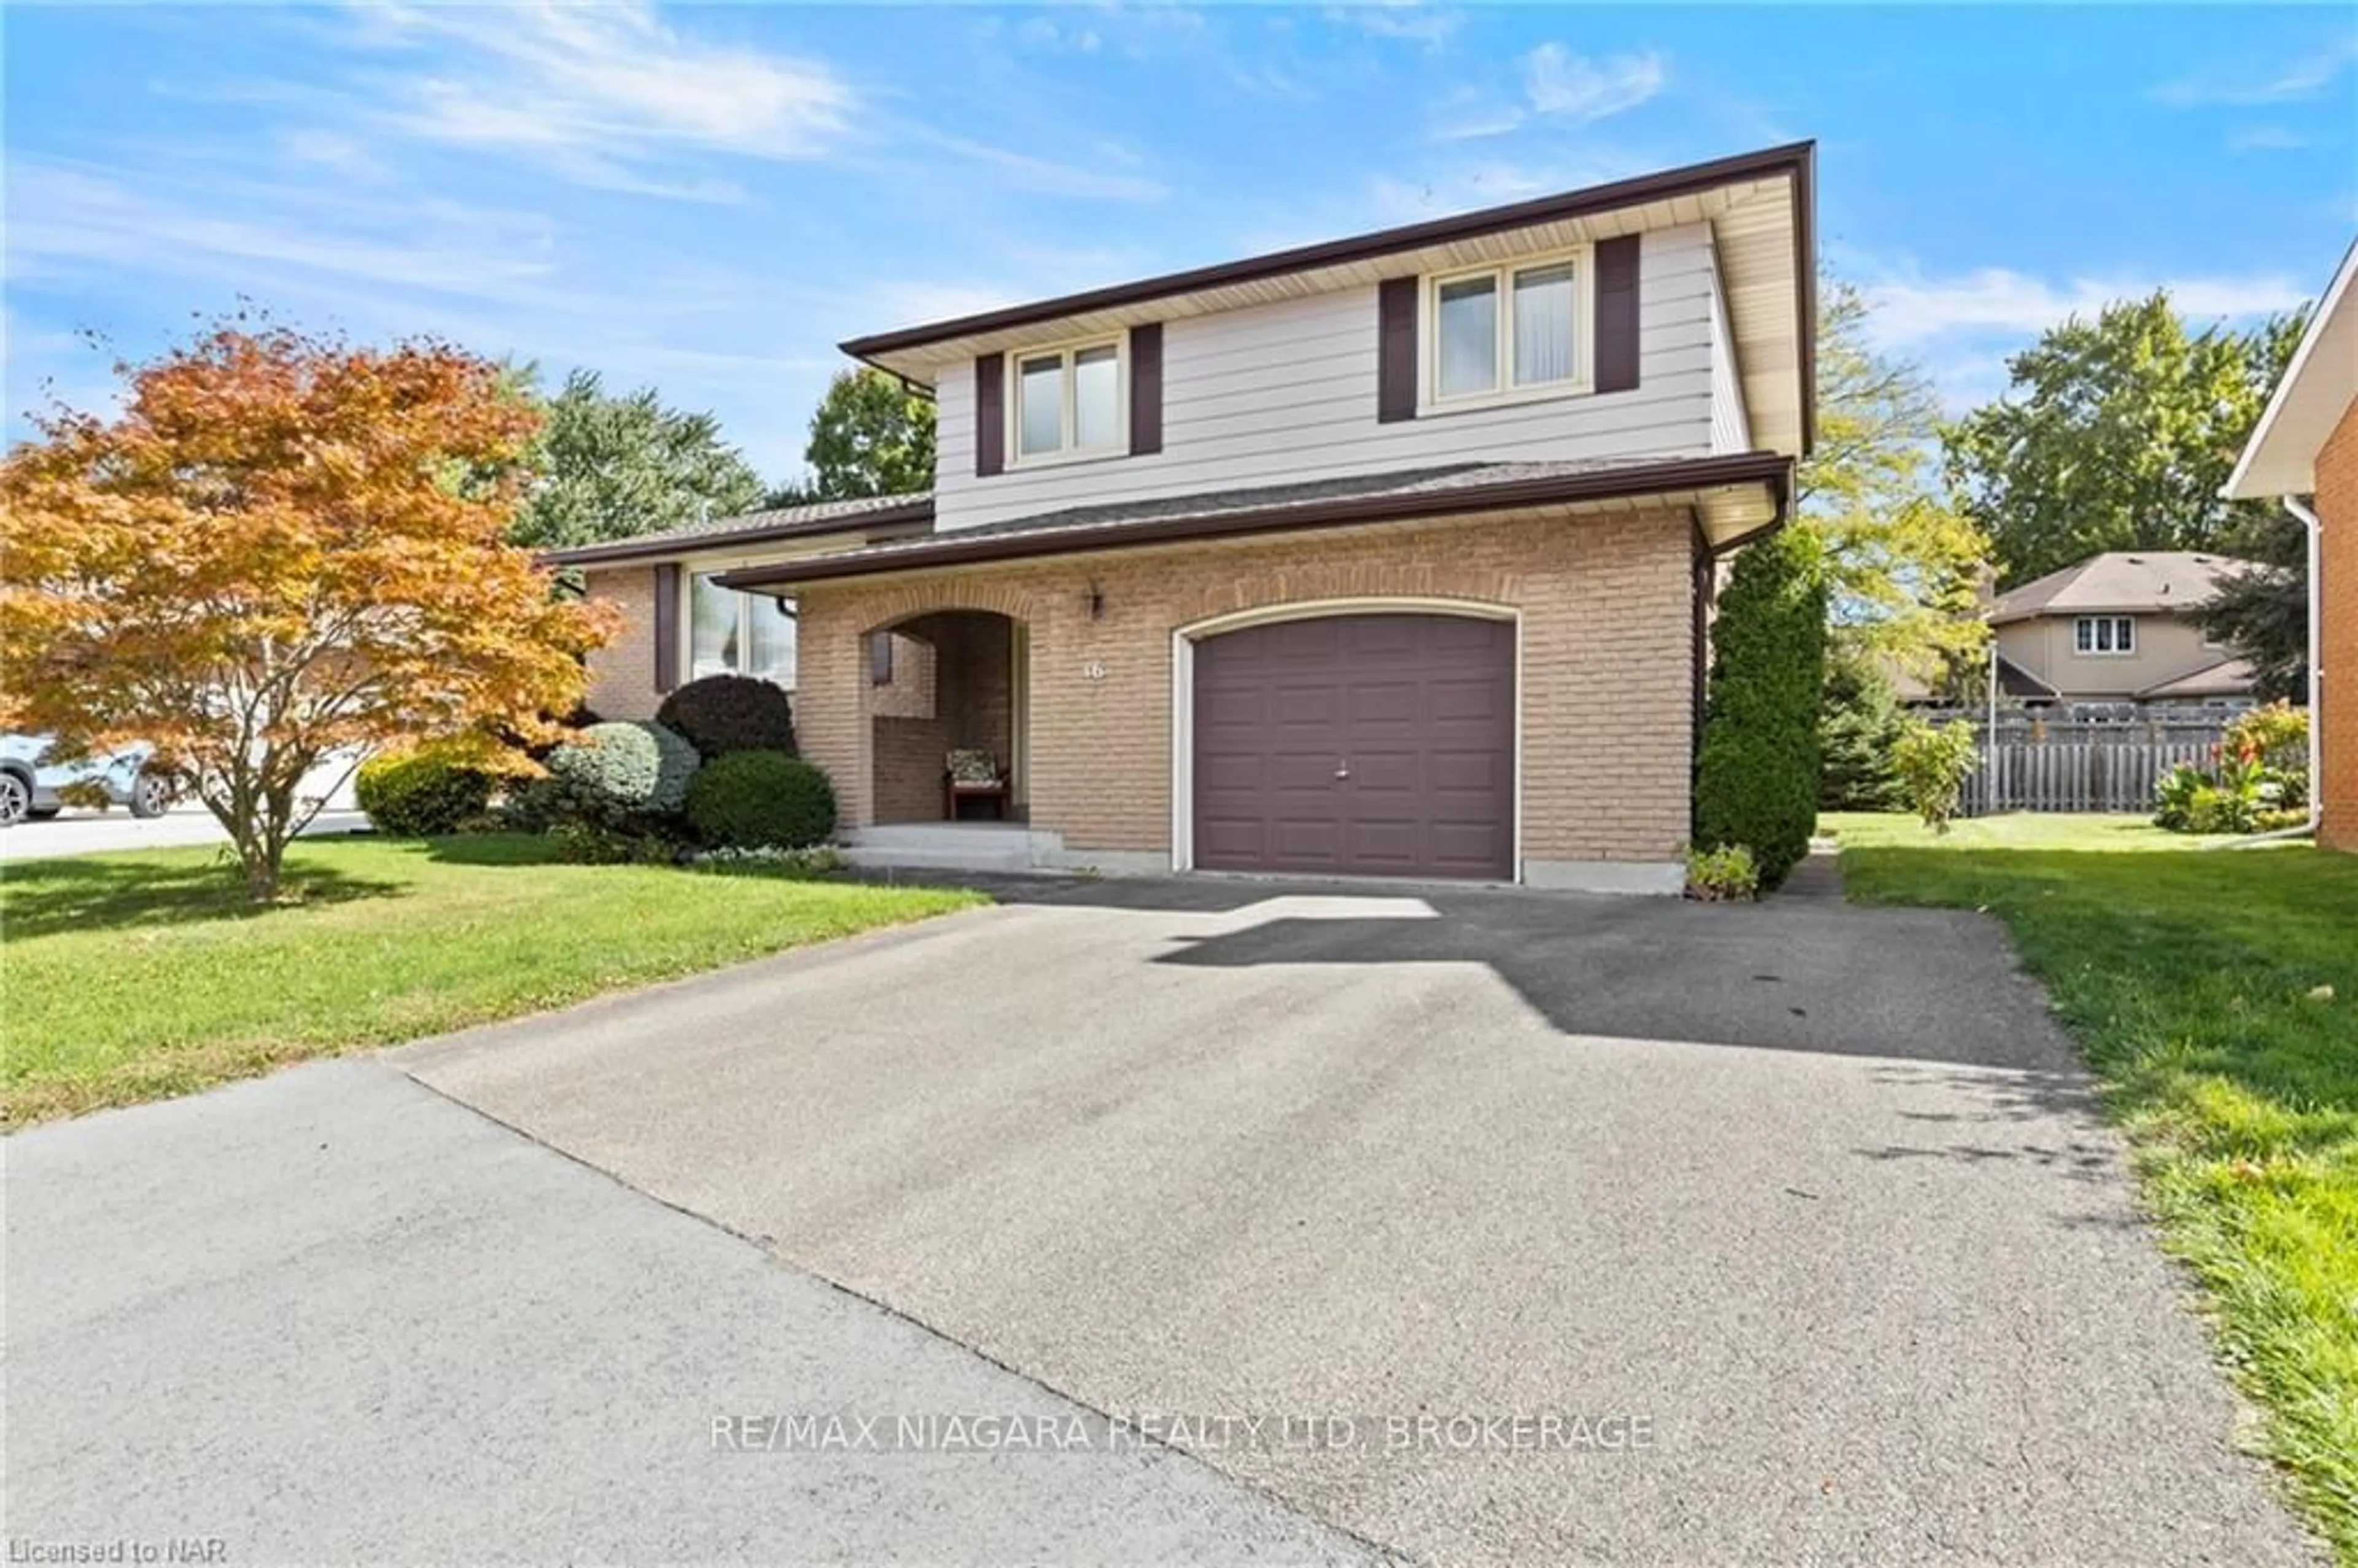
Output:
x=1286 y=390
x=1731 y=423
x=2167 y=646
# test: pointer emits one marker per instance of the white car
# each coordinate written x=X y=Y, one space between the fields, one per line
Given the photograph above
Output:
x=30 y=787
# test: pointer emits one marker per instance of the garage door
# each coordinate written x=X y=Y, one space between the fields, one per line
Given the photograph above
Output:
x=1369 y=745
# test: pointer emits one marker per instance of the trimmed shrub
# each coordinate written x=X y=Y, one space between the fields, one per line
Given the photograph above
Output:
x=420 y=793
x=1756 y=772
x=620 y=774
x=1931 y=762
x=721 y=714
x=751 y=800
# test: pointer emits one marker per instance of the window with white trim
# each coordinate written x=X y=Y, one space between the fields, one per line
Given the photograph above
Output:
x=1521 y=328
x=731 y=632
x=2105 y=634
x=1067 y=402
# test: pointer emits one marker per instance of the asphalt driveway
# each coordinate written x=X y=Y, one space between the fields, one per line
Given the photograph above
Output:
x=329 y=1316
x=1792 y=1225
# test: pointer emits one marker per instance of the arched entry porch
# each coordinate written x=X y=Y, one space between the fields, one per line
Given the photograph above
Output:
x=947 y=692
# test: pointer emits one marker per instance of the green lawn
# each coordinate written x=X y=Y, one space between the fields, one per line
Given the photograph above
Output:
x=135 y=976
x=2215 y=994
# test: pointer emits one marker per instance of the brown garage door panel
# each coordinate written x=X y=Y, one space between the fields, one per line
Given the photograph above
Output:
x=1377 y=744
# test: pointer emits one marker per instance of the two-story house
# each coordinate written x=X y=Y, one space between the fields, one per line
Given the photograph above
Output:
x=2120 y=631
x=1391 y=556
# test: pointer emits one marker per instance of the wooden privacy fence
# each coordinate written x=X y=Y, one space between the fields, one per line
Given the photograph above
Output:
x=2069 y=766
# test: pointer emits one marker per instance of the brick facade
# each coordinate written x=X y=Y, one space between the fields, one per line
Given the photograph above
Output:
x=2337 y=511
x=1606 y=676
x=622 y=673
x=1606 y=679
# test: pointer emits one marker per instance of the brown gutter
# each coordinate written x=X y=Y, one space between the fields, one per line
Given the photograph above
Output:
x=910 y=517
x=1772 y=468
x=1796 y=160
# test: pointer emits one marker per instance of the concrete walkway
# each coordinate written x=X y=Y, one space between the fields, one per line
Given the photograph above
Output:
x=84 y=832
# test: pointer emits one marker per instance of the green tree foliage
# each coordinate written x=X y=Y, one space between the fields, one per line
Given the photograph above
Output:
x=614 y=468
x=1756 y=776
x=1858 y=725
x=1902 y=568
x=2262 y=611
x=871 y=435
x=2115 y=434
x=1930 y=763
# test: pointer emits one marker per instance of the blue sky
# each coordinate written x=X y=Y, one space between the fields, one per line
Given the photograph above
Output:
x=708 y=198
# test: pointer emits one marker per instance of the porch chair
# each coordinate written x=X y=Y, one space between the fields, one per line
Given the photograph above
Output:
x=971 y=773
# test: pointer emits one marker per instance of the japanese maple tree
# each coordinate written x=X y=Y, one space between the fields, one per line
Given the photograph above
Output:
x=284 y=550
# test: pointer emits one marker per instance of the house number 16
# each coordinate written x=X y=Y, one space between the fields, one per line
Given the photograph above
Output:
x=1093 y=671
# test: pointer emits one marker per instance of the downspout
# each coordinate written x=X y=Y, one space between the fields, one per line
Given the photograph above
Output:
x=2307 y=519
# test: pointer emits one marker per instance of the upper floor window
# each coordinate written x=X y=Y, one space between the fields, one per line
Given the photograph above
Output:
x=1068 y=402
x=2105 y=634
x=738 y=634
x=1506 y=329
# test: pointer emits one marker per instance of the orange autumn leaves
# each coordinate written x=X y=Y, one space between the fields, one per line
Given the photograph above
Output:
x=286 y=546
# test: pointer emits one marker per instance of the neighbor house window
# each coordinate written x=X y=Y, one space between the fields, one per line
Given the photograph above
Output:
x=1508 y=328
x=2105 y=634
x=1068 y=401
x=738 y=634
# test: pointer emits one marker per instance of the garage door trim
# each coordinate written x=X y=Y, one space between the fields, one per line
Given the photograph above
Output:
x=1182 y=694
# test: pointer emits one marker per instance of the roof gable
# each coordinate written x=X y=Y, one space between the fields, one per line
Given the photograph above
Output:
x=2317 y=389
x=1761 y=207
x=2120 y=580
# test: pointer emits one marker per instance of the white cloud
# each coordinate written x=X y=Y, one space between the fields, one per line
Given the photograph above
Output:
x=610 y=81
x=1404 y=19
x=2264 y=139
x=1581 y=90
x=242 y=231
x=1558 y=86
x=2304 y=78
x=1912 y=309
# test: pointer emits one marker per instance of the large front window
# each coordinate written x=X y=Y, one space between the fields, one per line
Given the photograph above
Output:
x=738 y=633
x=1508 y=328
x=1068 y=401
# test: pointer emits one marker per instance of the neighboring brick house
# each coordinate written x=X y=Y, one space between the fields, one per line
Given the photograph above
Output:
x=2120 y=630
x=1390 y=556
x=2307 y=445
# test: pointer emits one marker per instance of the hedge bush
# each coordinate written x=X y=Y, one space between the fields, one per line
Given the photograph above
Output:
x=721 y=714
x=749 y=800
x=419 y=794
x=619 y=774
x=1757 y=774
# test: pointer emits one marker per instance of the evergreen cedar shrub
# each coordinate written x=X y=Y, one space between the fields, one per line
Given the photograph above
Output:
x=721 y=714
x=619 y=774
x=418 y=793
x=1856 y=728
x=753 y=800
x=1757 y=774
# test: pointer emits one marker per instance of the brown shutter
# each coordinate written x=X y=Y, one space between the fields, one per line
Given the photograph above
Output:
x=1146 y=389
x=989 y=415
x=666 y=625
x=1396 y=349
x=1617 y=314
